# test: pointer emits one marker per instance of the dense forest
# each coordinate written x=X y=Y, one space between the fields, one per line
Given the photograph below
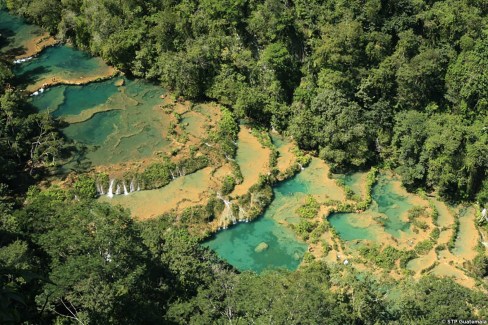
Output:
x=397 y=83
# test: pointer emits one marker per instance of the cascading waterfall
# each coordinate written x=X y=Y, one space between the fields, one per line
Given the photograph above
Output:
x=18 y=61
x=110 y=193
x=301 y=167
x=227 y=215
x=118 y=190
x=125 y=189
x=132 y=186
x=243 y=216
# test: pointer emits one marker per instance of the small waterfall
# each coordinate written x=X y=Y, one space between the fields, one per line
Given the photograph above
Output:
x=484 y=214
x=483 y=239
x=125 y=189
x=110 y=192
x=100 y=189
x=242 y=214
x=118 y=190
x=301 y=167
x=22 y=60
x=178 y=172
x=172 y=175
x=138 y=187
x=132 y=186
x=227 y=215
x=229 y=158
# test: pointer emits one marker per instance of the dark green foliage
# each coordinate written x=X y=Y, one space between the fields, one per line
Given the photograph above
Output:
x=406 y=257
x=158 y=175
x=482 y=196
x=93 y=257
x=196 y=215
x=441 y=152
x=228 y=185
x=310 y=209
x=304 y=228
x=30 y=143
x=317 y=232
x=384 y=258
x=191 y=165
x=361 y=82
x=333 y=124
x=479 y=266
x=455 y=232
x=432 y=300
x=85 y=187
x=424 y=247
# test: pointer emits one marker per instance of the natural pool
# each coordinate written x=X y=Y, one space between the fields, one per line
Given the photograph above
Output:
x=239 y=245
x=252 y=158
x=61 y=64
x=117 y=123
x=124 y=122
x=468 y=236
x=387 y=213
x=67 y=100
x=355 y=181
x=181 y=193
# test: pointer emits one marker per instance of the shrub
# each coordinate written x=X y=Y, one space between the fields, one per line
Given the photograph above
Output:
x=85 y=187
x=228 y=185
x=310 y=209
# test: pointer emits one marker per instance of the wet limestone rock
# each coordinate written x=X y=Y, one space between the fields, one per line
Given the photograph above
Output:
x=261 y=247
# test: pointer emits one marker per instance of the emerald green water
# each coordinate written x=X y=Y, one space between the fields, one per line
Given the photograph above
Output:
x=467 y=237
x=60 y=62
x=352 y=181
x=72 y=100
x=237 y=244
x=343 y=223
x=96 y=130
x=277 y=140
x=119 y=124
x=15 y=32
x=392 y=204
x=388 y=206
x=116 y=123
